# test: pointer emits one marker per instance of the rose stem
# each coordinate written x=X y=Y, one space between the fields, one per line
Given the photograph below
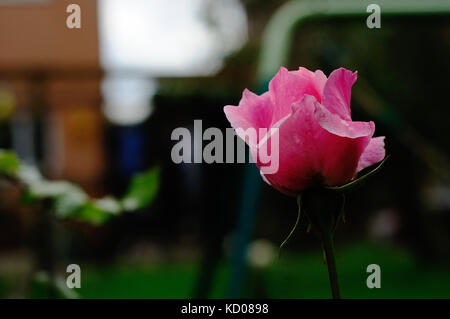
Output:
x=328 y=247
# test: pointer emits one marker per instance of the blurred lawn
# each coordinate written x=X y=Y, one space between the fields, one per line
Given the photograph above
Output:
x=305 y=276
x=292 y=276
x=301 y=275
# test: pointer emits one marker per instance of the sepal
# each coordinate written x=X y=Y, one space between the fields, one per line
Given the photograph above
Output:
x=355 y=184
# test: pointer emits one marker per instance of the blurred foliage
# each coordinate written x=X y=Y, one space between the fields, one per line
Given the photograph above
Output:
x=7 y=104
x=44 y=286
x=142 y=190
x=70 y=201
x=9 y=164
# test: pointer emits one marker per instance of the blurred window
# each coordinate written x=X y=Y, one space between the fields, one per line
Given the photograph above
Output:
x=170 y=38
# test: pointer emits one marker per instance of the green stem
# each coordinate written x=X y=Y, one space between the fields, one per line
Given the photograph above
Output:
x=328 y=247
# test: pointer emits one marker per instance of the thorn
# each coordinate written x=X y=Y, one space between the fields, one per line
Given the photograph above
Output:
x=308 y=230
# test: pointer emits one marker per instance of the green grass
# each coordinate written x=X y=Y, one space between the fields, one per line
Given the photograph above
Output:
x=139 y=281
x=294 y=275
x=305 y=276
x=301 y=275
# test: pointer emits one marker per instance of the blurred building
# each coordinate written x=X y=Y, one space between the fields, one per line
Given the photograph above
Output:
x=54 y=75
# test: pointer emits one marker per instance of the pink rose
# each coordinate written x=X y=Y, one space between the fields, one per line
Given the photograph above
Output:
x=318 y=141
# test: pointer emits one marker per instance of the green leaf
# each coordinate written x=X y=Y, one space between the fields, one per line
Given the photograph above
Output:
x=9 y=163
x=142 y=190
x=70 y=201
x=67 y=197
x=92 y=214
x=108 y=204
x=98 y=211
x=353 y=185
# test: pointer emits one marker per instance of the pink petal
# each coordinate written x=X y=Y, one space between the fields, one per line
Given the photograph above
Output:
x=340 y=159
x=318 y=79
x=337 y=92
x=253 y=112
x=296 y=166
x=373 y=153
x=309 y=153
x=289 y=87
x=333 y=123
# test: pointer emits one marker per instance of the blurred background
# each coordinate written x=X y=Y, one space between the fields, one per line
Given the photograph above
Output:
x=96 y=105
